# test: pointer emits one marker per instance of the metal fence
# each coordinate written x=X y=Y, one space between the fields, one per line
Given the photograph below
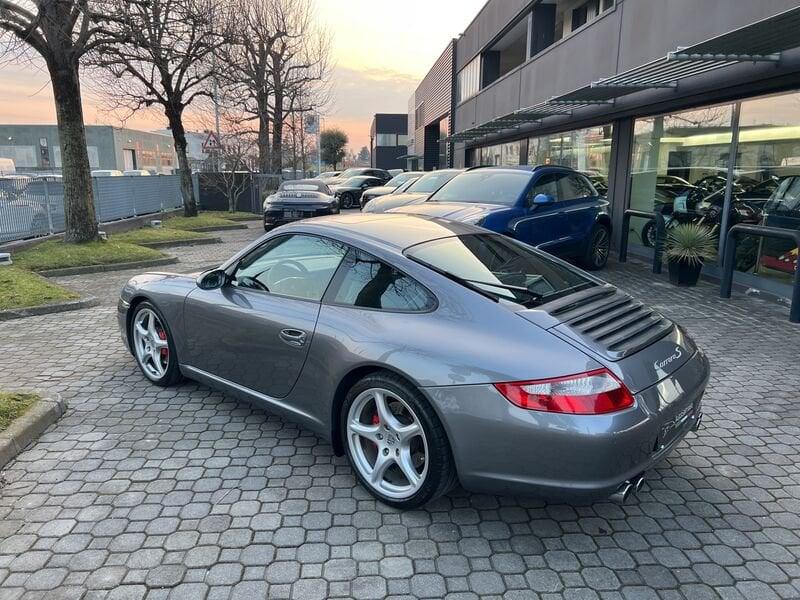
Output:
x=32 y=206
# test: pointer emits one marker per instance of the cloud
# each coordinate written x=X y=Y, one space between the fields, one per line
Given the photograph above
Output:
x=359 y=94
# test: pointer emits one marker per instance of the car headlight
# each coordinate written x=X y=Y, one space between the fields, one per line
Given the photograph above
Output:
x=267 y=201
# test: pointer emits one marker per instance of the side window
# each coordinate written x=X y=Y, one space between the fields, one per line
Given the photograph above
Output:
x=546 y=184
x=368 y=282
x=575 y=186
x=298 y=266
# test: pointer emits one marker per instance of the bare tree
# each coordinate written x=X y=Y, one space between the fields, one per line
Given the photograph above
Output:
x=238 y=162
x=61 y=32
x=277 y=53
x=163 y=54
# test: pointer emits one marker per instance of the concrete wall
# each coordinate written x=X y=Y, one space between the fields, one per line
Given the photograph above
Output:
x=632 y=33
x=37 y=147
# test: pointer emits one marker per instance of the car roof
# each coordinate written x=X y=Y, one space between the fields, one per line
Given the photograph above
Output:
x=394 y=231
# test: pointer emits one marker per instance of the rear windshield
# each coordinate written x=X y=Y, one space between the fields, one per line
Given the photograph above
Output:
x=431 y=182
x=485 y=186
x=501 y=267
x=303 y=186
x=399 y=180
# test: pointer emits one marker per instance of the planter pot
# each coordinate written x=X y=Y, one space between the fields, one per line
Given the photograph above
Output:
x=684 y=273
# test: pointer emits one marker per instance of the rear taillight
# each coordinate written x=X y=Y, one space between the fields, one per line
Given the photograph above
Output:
x=592 y=393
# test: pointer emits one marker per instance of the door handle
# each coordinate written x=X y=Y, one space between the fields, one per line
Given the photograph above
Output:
x=293 y=337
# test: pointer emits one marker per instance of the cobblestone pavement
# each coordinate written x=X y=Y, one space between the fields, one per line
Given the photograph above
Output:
x=183 y=493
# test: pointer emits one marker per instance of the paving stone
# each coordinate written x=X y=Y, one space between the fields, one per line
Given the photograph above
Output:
x=189 y=493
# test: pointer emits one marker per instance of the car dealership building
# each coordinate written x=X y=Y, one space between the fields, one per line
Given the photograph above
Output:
x=662 y=104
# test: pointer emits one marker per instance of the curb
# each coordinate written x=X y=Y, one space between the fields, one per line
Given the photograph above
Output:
x=48 y=309
x=175 y=243
x=27 y=428
x=168 y=260
x=219 y=228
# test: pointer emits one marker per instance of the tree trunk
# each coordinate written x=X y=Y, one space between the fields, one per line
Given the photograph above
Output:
x=80 y=218
x=277 y=134
x=179 y=137
x=263 y=135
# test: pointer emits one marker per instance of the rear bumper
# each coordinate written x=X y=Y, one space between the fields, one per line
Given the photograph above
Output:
x=278 y=216
x=500 y=448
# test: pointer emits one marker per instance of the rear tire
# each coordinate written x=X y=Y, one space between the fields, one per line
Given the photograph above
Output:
x=649 y=234
x=373 y=437
x=596 y=254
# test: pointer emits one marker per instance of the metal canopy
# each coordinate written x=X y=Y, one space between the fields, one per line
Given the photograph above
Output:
x=761 y=41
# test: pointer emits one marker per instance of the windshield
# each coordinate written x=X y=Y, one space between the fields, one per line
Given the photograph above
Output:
x=427 y=184
x=501 y=266
x=399 y=180
x=485 y=186
x=303 y=186
x=347 y=174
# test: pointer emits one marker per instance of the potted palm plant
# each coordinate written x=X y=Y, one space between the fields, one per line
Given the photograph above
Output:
x=687 y=246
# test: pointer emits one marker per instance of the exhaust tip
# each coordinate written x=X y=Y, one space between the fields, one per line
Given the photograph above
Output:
x=638 y=483
x=698 y=423
x=622 y=495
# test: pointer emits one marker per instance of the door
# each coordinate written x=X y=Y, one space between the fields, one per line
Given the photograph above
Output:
x=579 y=204
x=129 y=158
x=256 y=330
x=543 y=225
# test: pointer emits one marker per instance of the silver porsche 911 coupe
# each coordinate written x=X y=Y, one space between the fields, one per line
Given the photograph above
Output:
x=430 y=352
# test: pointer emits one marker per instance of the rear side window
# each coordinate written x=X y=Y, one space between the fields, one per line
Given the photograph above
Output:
x=367 y=282
x=575 y=186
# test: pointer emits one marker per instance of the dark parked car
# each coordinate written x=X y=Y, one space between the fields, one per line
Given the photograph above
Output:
x=417 y=192
x=553 y=208
x=430 y=352
x=390 y=186
x=381 y=174
x=349 y=192
x=298 y=199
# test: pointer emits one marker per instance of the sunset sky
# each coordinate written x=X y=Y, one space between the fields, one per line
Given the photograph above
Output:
x=381 y=50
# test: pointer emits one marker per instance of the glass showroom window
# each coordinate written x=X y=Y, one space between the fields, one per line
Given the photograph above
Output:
x=766 y=187
x=586 y=150
x=498 y=155
x=469 y=79
x=679 y=165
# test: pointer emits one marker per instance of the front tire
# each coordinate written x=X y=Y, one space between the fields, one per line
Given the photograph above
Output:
x=347 y=201
x=395 y=442
x=153 y=346
x=596 y=255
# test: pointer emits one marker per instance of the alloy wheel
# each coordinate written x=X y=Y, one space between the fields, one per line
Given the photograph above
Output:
x=150 y=343
x=387 y=443
x=602 y=244
x=347 y=201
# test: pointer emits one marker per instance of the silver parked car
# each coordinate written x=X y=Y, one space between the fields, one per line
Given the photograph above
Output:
x=430 y=352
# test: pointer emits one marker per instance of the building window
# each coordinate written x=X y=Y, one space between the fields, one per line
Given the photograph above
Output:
x=585 y=150
x=419 y=115
x=506 y=54
x=766 y=188
x=497 y=155
x=386 y=139
x=679 y=165
x=469 y=79
x=402 y=139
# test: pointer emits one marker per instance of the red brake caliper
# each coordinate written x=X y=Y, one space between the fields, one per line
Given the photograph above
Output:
x=376 y=421
x=163 y=336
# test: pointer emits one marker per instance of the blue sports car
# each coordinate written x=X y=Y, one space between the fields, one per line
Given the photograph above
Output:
x=553 y=208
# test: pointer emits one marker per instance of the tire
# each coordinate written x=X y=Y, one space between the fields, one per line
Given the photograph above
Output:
x=167 y=372
x=649 y=234
x=427 y=453
x=597 y=250
x=347 y=200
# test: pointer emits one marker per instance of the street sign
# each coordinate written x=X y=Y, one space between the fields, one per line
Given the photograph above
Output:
x=311 y=123
x=211 y=143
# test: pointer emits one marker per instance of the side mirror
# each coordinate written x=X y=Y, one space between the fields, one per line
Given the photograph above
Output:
x=542 y=200
x=212 y=280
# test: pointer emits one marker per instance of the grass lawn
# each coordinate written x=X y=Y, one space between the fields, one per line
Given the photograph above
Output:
x=21 y=289
x=237 y=216
x=13 y=405
x=201 y=220
x=55 y=254
x=149 y=235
